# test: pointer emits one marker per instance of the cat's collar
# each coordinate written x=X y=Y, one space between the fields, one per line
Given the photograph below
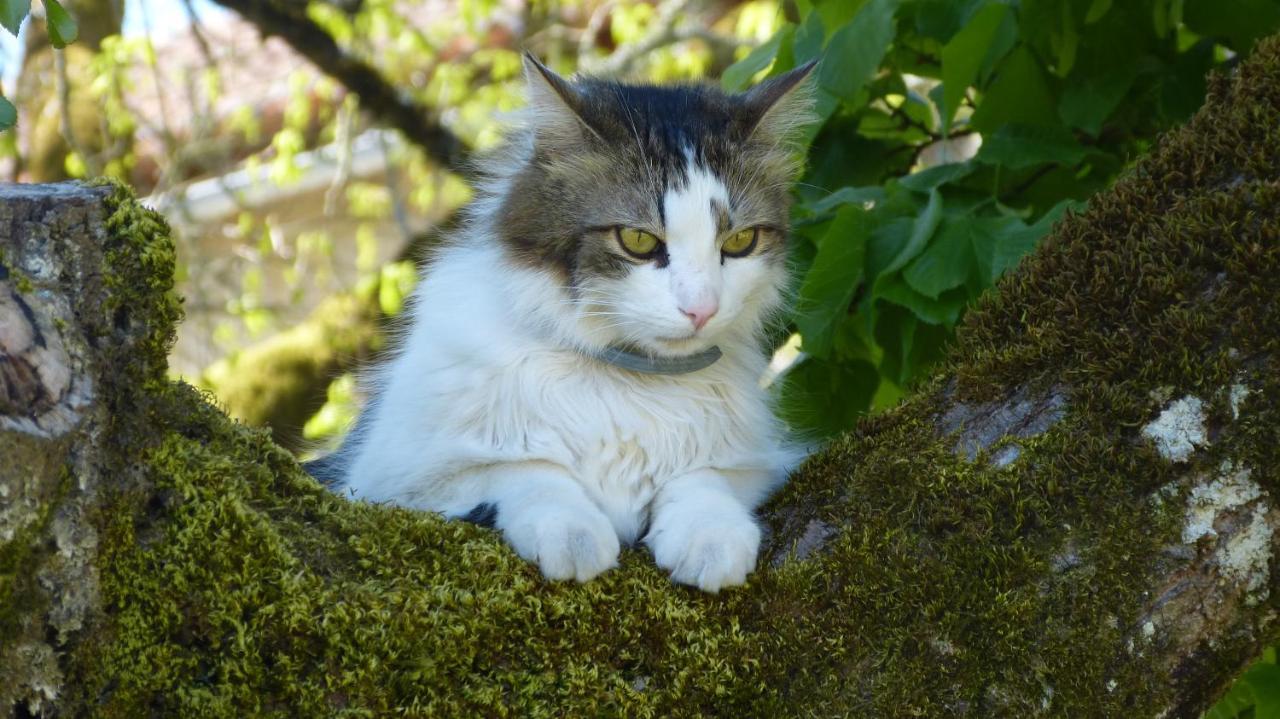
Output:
x=648 y=364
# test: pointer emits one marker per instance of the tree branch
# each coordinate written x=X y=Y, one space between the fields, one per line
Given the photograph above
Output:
x=379 y=96
x=1078 y=516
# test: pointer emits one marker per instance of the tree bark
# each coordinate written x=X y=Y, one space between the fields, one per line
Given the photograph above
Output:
x=1076 y=517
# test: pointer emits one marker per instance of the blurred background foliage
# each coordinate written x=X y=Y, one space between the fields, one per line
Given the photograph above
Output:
x=307 y=152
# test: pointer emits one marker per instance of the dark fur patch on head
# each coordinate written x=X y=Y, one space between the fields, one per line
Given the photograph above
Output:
x=603 y=154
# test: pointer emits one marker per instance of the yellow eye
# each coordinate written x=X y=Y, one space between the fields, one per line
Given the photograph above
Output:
x=637 y=242
x=741 y=243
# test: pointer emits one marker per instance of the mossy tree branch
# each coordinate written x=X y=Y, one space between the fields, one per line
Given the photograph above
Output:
x=1076 y=517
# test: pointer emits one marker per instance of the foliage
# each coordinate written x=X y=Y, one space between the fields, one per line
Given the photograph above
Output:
x=62 y=31
x=1255 y=695
x=901 y=223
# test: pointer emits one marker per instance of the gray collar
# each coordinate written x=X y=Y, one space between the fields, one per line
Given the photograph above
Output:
x=646 y=364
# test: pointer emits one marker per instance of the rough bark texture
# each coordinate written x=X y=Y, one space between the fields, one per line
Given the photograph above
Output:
x=1075 y=518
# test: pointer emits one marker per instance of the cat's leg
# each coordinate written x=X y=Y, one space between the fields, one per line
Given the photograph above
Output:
x=548 y=519
x=702 y=532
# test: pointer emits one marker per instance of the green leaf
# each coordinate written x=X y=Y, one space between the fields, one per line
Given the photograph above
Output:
x=739 y=74
x=929 y=178
x=962 y=57
x=8 y=114
x=944 y=310
x=827 y=397
x=13 y=12
x=396 y=283
x=62 y=27
x=856 y=50
x=1016 y=146
x=1264 y=683
x=808 y=39
x=910 y=345
x=946 y=263
x=846 y=195
x=830 y=283
x=837 y=13
x=1240 y=22
x=921 y=230
x=1068 y=41
x=1088 y=102
x=1013 y=239
x=1019 y=92
x=1097 y=10
x=941 y=19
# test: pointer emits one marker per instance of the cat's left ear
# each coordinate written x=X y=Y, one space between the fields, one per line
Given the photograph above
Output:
x=780 y=106
x=555 y=105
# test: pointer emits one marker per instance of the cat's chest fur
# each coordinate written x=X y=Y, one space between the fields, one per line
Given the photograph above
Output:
x=619 y=434
x=484 y=382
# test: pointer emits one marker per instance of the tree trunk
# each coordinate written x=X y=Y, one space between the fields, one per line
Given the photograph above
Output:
x=39 y=86
x=1076 y=517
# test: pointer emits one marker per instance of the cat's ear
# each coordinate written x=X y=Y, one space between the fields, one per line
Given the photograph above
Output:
x=555 y=105
x=780 y=106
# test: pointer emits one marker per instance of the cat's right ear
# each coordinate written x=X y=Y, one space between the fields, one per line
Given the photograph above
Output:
x=555 y=105
x=781 y=106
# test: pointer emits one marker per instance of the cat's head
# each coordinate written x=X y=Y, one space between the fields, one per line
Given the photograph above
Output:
x=662 y=211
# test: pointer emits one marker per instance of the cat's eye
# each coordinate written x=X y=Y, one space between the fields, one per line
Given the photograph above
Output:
x=741 y=243
x=638 y=243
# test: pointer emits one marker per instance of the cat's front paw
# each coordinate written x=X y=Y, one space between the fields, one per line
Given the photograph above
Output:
x=565 y=544
x=708 y=555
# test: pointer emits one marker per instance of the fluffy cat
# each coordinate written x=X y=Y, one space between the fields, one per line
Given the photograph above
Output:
x=583 y=359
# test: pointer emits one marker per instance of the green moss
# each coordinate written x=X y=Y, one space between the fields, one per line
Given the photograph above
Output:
x=237 y=586
x=13 y=274
x=139 y=258
x=258 y=590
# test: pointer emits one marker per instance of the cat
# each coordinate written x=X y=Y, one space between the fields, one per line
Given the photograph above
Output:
x=582 y=361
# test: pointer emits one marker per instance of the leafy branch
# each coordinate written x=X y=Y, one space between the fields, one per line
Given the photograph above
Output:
x=62 y=29
x=378 y=95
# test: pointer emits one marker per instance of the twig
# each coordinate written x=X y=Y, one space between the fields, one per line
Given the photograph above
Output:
x=346 y=120
x=586 y=41
x=662 y=32
x=377 y=95
x=166 y=134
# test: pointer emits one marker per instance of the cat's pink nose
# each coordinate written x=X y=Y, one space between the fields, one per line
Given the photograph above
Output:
x=699 y=315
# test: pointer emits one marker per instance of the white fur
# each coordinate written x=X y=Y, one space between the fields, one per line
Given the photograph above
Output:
x=491 y=399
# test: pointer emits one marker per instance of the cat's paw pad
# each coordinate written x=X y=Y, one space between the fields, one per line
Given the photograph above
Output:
x=565 y=544
x=708 y=556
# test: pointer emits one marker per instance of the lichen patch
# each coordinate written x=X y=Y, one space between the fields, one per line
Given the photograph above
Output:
x=1244 y=558
x=1179 y=430
x=1239 y=393
x=1247 y=557
x=1231 y=490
